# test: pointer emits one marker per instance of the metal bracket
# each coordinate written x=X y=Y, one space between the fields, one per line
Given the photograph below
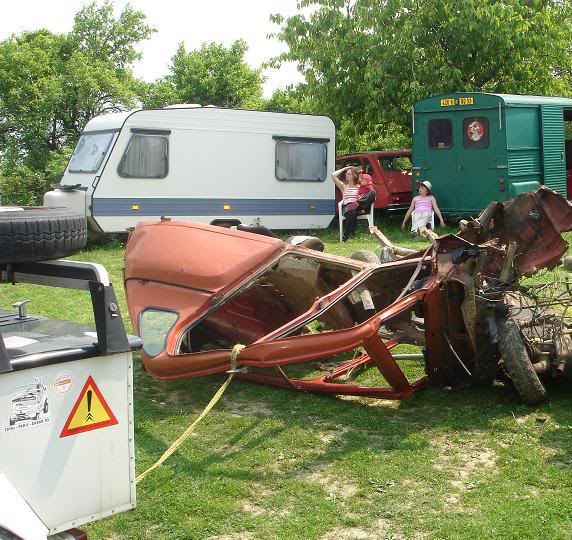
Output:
x=5 y=365
x=111 y=336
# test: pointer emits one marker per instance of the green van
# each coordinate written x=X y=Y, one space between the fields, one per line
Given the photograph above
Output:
x=475 y=148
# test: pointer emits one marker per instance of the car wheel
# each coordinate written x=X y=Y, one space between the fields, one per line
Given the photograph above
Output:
x=308 y=242
x=46 y=406
x=37 y=416
x=517 y=363
x=38 y=233
x=365 y=255
x=12 y=422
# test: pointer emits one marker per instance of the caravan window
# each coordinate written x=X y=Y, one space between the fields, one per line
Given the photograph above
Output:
x=147 y=156
x=89 y=152
x=440 y=133
x=301 y=160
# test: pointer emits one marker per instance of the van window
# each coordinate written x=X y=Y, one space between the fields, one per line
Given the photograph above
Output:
x=89 y=152
x=146 y=156
x=440 y=132
x=302 y=161
x=476 y=132
x=154 y=326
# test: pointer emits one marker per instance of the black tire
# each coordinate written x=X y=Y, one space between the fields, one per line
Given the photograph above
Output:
x=309 y=243
x=46 y=407
x=517 y=363
x=38 y=233
x=366 y=256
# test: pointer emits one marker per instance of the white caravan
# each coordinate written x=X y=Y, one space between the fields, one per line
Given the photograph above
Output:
x=201 y=164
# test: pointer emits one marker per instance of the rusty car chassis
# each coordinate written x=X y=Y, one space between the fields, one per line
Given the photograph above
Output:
x=195 y=291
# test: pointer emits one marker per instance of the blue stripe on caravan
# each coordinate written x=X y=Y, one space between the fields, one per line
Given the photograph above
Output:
x=212 y=207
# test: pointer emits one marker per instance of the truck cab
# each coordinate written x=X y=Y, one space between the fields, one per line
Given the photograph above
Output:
x=391 y=174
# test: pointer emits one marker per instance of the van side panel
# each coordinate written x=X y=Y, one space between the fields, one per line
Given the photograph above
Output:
x=553 y=154
x=523 y=149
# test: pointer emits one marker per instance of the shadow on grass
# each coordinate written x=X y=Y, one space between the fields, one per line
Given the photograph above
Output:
x=387 y=426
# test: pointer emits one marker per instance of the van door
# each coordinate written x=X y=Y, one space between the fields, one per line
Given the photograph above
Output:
x=439 y=165
x=476 y=160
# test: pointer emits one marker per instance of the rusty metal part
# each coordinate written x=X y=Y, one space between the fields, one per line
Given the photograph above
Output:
x=290 y=305
x=384 y=242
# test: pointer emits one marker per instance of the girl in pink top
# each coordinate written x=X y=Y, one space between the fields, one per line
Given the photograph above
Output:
x=421 y=210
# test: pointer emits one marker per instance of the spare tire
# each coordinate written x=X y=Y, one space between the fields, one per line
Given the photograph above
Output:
x=518 y=364
x=38 y=233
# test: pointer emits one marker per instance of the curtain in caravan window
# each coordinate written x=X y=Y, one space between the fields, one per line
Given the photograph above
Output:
x=146 y=157
x=302 y=161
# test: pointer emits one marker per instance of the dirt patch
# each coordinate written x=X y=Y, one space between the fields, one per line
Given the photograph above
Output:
x=331 y=435
x=252 y=505
x=383 y=403
x=234 y=536
x=334 y=487
x=378 y=531
x=237 y=407
x=462 y=464
x=251 y=508
x=178 y=399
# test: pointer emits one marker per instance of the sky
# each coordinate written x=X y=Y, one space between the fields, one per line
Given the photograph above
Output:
x=192 y=22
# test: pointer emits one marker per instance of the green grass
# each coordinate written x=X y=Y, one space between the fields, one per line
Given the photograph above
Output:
x=269 y=463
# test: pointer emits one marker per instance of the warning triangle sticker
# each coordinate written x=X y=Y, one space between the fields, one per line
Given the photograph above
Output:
x=90 y=411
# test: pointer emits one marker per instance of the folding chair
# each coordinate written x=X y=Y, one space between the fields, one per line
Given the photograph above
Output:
x=368 y=217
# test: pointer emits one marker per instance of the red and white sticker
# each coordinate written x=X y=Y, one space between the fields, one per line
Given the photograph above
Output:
x=63 y=382
x=475 y=131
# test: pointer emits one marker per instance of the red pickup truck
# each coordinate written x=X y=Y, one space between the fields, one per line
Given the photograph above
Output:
x=391 y=174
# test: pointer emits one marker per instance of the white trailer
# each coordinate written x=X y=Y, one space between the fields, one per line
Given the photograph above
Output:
x=201 y=164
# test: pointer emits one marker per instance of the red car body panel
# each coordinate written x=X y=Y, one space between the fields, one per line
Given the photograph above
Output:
x=289 y=305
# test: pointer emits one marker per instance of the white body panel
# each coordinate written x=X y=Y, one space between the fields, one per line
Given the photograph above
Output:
x=221 y=166
x=79 y=478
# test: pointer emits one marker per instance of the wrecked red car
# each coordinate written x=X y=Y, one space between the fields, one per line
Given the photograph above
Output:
x=195 y=291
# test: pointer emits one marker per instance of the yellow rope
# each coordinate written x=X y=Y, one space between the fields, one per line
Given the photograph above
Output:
x=233 y=358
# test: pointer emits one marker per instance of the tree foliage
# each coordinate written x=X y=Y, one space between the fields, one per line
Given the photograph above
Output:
x=51 y=85
x=210 y=75
x=368 y=62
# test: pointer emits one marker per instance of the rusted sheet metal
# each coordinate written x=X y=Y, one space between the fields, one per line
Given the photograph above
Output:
x=194 y=291
x=533 y=221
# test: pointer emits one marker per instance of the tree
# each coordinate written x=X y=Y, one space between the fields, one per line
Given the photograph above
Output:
x=368 y=62
x=289 y=101
x=51 y=85
x=211 y=75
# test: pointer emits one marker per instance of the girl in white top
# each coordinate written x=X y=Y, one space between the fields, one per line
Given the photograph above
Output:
x=349 y=192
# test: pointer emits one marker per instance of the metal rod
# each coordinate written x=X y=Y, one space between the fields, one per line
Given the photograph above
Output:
x=408 y=356
x=457 y=356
